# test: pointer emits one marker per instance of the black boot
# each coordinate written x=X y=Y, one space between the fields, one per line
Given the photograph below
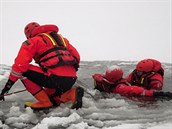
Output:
x=78 y=99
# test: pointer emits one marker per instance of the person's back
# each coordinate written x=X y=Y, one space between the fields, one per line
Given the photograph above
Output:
x=55 y=76
x=41 y=46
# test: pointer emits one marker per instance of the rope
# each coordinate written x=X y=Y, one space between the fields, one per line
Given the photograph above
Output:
x=14 y=92
x=83 y=85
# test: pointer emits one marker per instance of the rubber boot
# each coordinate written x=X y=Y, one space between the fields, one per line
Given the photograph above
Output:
x=43 y=101
x=79 y=93
x=75 y=95
x=55 y=100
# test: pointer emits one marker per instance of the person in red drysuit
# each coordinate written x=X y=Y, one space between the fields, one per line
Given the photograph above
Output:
x=148 y=74
x=113 y=82
x=52 y=81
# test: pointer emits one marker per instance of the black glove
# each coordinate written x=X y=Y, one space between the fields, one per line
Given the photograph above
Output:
x=76 y=66
x=162 y=95
x=7 y=87
x=2 y=98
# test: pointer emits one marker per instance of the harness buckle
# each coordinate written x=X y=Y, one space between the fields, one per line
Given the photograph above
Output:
x=44 y=69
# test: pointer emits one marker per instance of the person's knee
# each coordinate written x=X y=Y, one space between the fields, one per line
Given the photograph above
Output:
x=31 y=86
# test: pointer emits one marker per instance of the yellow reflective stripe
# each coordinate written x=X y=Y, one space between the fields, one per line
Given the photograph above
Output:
x=142 y=80
x=95 y=83
x=63 y=40
x=28 y=104
x=54 y=44
x=152 y=72
x=16 y=75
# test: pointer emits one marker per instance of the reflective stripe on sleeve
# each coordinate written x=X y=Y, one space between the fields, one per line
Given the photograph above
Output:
x=16 y=74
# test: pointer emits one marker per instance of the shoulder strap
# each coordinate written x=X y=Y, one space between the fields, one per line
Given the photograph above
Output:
x=52 y=41
x=63 y=40
x=161 y=72
x=55 y=36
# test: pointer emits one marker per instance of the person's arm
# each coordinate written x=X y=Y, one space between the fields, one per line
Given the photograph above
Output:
x=100 y=83
x=130 y=91
x=73 y=51
x=20 y=65
x=135 y=91
x=156 y=82
x=23 y=59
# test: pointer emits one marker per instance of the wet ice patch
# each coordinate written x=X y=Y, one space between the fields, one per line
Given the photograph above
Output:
x=111 y=103
x=126 y=126
x=12 y=97
x=161 y=126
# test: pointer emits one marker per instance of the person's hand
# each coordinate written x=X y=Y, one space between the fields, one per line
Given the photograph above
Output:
x=76 y=66
x=2 y=98
x=162 y=95
x=7 y=87
x=98 y=77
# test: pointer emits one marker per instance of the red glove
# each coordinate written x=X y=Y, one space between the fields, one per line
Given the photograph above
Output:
x=98 y=77
x=101 y=83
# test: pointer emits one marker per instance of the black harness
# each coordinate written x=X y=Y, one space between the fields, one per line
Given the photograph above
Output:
x=58 y=46
x=145 y=79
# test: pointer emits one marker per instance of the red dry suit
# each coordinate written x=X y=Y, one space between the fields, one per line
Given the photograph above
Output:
x=150 y=80
x=55 y=56
x=121 y=87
